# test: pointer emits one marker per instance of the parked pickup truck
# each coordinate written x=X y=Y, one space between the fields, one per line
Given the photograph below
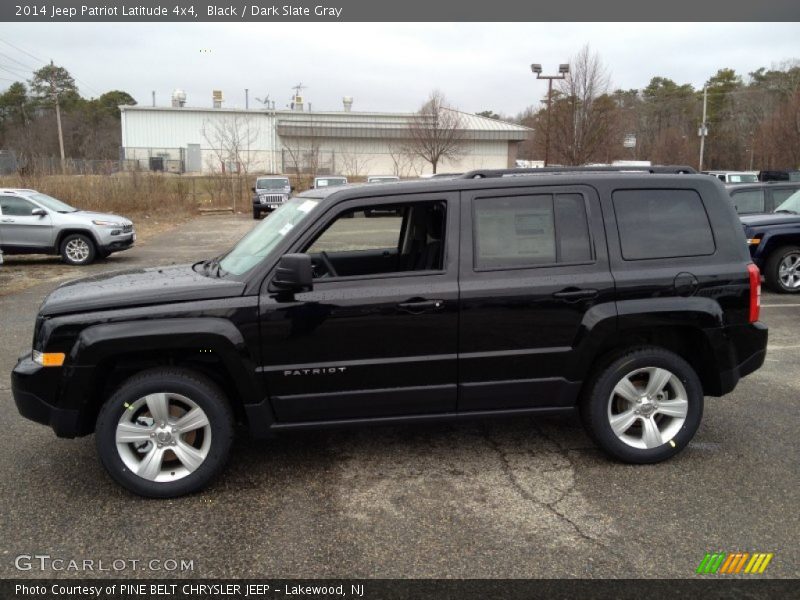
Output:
x=774 y=241
x=625 y=296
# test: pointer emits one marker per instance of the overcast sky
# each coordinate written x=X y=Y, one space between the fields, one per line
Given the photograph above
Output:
x=384 y=66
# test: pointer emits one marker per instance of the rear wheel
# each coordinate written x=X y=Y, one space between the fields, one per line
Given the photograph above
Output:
x=165 y=433
x=782 y=270
x=644 y=407
x=78 y=249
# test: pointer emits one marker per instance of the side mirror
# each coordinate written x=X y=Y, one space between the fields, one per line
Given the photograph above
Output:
x=39 y=212
x=293 y=274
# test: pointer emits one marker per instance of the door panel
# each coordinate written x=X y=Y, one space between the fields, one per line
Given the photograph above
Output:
x=19 y=228
x=521 y=327
x=381 y=345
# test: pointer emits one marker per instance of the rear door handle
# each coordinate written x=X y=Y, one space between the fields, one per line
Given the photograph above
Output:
x=574 y=294
x=7 y=220
x=416 y=307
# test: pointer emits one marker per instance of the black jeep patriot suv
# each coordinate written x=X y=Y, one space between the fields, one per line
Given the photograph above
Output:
x=628 y=296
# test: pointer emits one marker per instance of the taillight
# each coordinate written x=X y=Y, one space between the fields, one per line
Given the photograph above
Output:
x=755 y=292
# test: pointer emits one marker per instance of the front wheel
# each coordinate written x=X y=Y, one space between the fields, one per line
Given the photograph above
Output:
x=78 y=249
x=782 y=270
x=644 y=407
x=165 y=433
x=256 y=214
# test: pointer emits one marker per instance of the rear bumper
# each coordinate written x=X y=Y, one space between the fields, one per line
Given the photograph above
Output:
x=747 y=349
x=34 y=389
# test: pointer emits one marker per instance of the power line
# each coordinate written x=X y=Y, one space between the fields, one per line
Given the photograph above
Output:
x=33 y=56
x=12 y=59
x=13 y=71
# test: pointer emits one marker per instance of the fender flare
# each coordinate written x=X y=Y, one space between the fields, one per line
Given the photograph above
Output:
x=107 y=340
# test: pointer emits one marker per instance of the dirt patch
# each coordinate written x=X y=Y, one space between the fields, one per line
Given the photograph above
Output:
x=19 y=272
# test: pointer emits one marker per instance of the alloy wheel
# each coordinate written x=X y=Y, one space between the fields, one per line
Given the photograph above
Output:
x=77 y=250
x=163 y=437
x=648 y=407
x=789 y=271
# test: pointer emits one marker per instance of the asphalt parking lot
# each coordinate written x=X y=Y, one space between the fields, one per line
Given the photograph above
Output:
x=506 y=498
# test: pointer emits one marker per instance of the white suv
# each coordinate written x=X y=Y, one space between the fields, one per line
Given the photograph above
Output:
x=35 y=223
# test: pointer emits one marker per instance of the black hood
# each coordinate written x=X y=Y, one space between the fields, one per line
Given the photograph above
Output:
x=769 y=219
x=141 y=287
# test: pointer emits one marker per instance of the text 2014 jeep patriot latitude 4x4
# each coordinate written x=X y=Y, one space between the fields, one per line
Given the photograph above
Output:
x=627 y=296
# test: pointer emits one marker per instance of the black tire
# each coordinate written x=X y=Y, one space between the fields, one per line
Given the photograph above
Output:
x=256 y=214
x=772 y=268
x=597 y=397
x=200 y=390
x=70 y=246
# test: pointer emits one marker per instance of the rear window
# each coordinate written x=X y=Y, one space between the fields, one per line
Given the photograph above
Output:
x=662 y=224
x=748 y=201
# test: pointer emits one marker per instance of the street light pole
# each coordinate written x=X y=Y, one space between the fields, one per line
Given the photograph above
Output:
x=563 y=69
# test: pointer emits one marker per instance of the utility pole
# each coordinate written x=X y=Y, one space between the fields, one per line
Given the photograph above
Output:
x=154 y=98
x=563 y=69
x=246 y=98
x=58 y=113
x=703 y=131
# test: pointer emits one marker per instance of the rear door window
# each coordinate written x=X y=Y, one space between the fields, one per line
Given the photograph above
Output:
x=748 y=201
x=530 y=231
x=662 y=224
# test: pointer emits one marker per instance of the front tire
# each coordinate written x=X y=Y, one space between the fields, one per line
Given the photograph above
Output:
x=165 y=432
x=256 y=214
x=782 y=270
x=644 y=407
x=78 y=249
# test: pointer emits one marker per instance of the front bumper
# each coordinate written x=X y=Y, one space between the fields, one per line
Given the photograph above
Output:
x=35 y=390
x=116 y=243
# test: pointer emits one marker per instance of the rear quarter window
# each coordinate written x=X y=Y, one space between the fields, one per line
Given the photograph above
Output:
x=662 y=224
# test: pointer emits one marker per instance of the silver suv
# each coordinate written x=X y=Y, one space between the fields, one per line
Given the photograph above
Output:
x=35 y=223
x=269 y=192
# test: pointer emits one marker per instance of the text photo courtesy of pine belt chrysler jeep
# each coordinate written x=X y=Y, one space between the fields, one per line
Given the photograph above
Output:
x=625 y=296
x=35 y=223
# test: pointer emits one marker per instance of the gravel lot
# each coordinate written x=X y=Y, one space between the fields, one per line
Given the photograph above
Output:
x=518 y=498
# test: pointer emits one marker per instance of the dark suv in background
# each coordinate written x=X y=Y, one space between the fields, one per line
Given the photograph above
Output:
x=625 y=296
x=754 y=198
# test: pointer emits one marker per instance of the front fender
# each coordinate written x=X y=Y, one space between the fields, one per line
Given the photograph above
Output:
x=100 y=343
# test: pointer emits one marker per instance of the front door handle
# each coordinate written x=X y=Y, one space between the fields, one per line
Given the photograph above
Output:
x=419 y=306
x=575 y=294
x=7 y=220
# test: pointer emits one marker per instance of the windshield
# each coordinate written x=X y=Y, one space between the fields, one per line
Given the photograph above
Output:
x=257 y=244
x=51 y=203
x=271 y=184
x=330 y=181
x=791 y=204
x=742 y=178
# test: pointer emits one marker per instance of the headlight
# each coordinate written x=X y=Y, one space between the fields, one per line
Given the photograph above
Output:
x=109 y=223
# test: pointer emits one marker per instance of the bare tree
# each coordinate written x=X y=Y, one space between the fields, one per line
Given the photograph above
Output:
x=582 y=111
x=230 y=140
x=351 y=163
x=436 y=132
x=404 y=162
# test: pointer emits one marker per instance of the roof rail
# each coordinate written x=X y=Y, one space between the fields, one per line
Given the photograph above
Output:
x=658 y=169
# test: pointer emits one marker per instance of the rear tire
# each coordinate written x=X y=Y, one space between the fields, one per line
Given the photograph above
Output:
x=78 y=249
x=165 y=432
x=782 y=270
x=644 y=407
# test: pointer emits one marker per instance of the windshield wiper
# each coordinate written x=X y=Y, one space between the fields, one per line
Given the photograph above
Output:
x=212 y=268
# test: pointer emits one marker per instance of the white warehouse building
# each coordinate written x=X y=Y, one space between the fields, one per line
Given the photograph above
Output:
x=184 y=139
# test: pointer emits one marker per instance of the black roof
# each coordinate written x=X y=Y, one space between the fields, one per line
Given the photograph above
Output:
x=501 y=178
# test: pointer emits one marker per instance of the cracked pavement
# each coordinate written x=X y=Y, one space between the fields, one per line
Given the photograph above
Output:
x=507 y=498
